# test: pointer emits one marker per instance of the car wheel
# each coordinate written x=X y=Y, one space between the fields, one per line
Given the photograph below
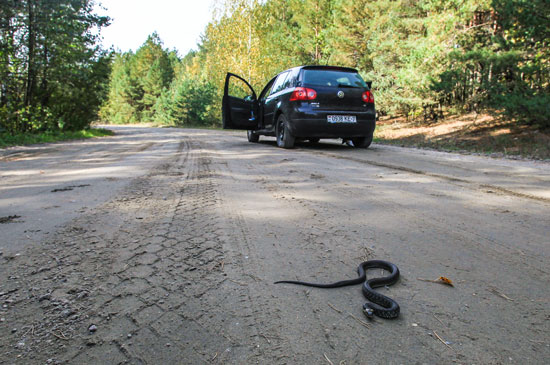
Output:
x=284 y=138
x=362 y=142
x=252 y=136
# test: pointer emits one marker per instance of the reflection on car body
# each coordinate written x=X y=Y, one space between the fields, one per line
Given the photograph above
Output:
x=306 y=103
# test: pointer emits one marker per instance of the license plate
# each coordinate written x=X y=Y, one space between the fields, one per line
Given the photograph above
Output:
x=341 y=119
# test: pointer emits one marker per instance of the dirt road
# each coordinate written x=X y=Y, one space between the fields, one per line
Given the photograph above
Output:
x=161 y=246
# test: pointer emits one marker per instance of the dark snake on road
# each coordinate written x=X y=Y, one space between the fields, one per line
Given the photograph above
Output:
x=379 y=305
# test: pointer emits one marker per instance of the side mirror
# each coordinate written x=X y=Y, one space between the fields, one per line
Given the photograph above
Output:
x=369 y=84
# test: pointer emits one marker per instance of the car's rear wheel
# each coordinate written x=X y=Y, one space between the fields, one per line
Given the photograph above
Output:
x=362 y=142
x=284 y=138
x=252 y=136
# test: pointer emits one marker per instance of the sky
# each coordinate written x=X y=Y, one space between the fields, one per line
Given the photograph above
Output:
x=179 y=23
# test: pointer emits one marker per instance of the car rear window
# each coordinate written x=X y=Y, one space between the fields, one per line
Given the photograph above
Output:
x=333 y=78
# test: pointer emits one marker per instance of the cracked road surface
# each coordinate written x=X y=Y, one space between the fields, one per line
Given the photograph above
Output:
x=161 y=246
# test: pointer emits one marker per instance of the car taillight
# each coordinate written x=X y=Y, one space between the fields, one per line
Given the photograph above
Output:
x=303 y=93
x=368 y=97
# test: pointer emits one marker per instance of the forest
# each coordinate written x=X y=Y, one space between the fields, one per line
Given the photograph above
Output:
x=53 y=73
x=424 y=57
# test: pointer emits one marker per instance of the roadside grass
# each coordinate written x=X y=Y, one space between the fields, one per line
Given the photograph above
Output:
x=473 y=133
x=7 y=140
x=154 y=124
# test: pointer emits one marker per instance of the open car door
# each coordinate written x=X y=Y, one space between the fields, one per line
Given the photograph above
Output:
x=239 y=104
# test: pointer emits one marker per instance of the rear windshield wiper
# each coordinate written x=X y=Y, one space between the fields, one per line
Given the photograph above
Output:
x=349 y=86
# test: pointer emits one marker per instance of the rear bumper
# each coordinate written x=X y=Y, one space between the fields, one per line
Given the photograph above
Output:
x=312 y=123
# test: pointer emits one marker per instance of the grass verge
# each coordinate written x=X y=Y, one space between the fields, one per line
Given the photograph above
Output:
x=473 y=133
x=7 y=140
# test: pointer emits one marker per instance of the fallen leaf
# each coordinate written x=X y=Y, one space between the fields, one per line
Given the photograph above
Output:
x=440 y=280
x=446 y=281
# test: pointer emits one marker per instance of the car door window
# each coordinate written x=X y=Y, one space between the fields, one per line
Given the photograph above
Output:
x=289 y=82
x=267 y=89
x=237 y=88
x=278 y=85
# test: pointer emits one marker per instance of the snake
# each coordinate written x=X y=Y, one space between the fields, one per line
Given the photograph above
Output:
x=378 y=304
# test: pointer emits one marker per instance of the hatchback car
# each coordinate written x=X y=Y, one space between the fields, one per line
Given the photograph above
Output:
x=304 y=103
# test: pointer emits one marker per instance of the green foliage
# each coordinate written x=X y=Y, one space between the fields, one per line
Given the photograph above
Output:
x=314 y=19
x=52 y=74
x=396 y=44
x=420 y=55
x=189 y=102
x=501 y=62
x=465 y=54
x=533 y=109
x=137 y=81
x=119 y=107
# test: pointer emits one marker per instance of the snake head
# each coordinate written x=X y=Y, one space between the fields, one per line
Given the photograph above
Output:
x=368 y=312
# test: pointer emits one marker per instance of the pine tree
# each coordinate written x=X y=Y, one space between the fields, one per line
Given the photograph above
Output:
x=52 y=69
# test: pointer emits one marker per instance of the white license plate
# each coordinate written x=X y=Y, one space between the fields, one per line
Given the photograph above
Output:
x=341 y=119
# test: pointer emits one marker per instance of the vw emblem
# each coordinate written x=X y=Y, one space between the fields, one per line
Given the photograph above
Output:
x=340 y=94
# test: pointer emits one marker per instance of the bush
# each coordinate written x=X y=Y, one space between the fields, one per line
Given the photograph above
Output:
x=528 y=109
x=189 y=102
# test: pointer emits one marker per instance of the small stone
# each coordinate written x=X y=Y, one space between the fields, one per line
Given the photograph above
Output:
x=21 y=344
x=92 y=328
x=2 y=319
x=414 y=325
x=67 y=312
x=129 y=335
x=168 y=344
x=13 y=330
x=45 y=297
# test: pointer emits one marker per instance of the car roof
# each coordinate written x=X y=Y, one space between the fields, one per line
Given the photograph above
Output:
x=326 y=67
x=333 y=68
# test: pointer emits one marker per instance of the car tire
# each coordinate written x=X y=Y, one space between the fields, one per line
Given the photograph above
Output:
x=284 y=138
x=362 y=142
x=252 y=136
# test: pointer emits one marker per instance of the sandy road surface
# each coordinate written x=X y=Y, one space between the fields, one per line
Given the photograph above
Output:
x=160 y=246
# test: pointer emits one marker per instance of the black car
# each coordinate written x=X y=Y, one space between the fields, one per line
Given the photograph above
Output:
x=305 y=103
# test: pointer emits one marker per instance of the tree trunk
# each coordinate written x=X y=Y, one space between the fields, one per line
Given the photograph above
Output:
x=31 y=43
x=31 y=75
